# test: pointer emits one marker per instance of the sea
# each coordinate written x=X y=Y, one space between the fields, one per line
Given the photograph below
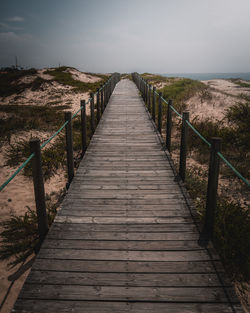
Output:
x=209 y=76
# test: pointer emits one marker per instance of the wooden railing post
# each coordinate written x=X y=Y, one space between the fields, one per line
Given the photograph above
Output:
x=159 y=113
x=153 y=104
x=92 y=112
x=69 y=147
x=212 y=186
x=144 y=90
x=110 y=87
x=102 y=101
x=183 y=147
x=146 y=93
x=83 y=127
x=111 y=84
x=105 y=96
x=149 y=98
x=98 y=105
x=108 y=91
x=37 y=173
x=169 y=126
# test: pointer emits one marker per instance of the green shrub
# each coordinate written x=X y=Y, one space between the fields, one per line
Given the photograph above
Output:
x=235 y=138
x=237 y=81
x=27 y=117
x=20 y=233
x=65 y=78
x=53 y=157
x=37 y=83
x=232 y=225
x=9 y=82
x=232 y=237
x=181 y=90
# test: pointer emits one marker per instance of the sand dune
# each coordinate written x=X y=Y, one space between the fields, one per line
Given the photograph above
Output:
x=19 y=194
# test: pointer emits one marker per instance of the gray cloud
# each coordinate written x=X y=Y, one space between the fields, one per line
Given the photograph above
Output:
x=15 y=19
x=9 y=27
x=115 y=35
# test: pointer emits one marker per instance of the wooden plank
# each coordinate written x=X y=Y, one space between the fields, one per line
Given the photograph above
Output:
x=41 y=306
x=117 y=255
x=124 y=279
x=145 y=228
x=172 y=199
x=81 y=211
x=181 y=267
x=107 y=293
x=121 y=220
x=124 y=194
x=93 y=235
x=92 y=185
x=170 y=207
x=128 y=245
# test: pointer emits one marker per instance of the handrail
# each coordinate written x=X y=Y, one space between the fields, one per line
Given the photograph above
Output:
x=201 y=137
x=198 y=133
x=47 y=141
x=16 y=172
x=233 y=169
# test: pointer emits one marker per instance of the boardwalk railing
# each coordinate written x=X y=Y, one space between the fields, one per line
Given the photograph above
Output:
x=98 y=102
x=149 y=95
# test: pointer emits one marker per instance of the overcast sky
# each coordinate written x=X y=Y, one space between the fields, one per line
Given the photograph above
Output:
x=163 y=36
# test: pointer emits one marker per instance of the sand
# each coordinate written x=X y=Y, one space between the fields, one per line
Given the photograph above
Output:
x=86 y=78
x=19 y=194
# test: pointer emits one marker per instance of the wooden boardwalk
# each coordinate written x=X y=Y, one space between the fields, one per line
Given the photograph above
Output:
x=124 y=240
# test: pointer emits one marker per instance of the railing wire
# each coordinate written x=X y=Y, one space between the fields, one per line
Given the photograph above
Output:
x=204 y=140
x=45 y=143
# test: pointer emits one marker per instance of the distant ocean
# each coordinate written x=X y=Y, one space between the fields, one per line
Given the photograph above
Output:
x=208 y=76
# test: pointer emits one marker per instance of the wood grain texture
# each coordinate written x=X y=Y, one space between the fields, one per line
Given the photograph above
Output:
x=124 y=239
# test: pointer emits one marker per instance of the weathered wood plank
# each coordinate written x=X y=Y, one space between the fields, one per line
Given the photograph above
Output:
x=168 y=256
x=122 y=220
x=181 y=267
x=128 y=245
x=107 y=293
x=81 y=211
x=170 y=207
x=145 y=228
x=41 y=306
x=93 y=235
x=124 y=279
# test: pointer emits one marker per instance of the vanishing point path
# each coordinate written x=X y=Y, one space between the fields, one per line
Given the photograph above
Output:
x=125 y=240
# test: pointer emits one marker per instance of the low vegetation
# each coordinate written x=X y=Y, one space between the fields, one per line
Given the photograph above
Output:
x=181 y=90
x=10 y=82
x=65 y=78
x=28 y=117
x=19 y=237
x=53 y=157
x=232 y=225
x=177 y=89
x=235 y=137
x=240 y=83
